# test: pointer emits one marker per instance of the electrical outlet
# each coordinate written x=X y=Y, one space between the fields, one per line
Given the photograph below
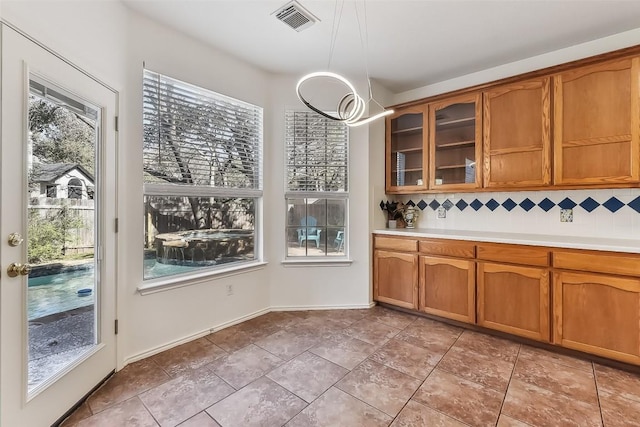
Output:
x=442 y=212
x=566 y=215
x=229 y=290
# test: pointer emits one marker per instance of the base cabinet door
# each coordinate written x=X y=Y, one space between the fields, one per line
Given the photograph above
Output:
x=447 y=288
x=395 y=279
x=514 y=299
x=598 y=314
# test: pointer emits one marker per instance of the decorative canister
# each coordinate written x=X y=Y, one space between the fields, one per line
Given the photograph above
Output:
x=410 y=215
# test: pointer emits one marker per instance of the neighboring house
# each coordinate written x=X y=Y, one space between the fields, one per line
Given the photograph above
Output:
x=62 y=181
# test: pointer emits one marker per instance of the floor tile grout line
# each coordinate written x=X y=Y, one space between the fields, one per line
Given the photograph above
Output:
x=425 y=380
x=595 y=379
x=151 y=413
x=506 y=390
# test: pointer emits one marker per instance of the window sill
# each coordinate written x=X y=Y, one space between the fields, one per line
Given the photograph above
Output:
x=165 y=284
x=342 y=262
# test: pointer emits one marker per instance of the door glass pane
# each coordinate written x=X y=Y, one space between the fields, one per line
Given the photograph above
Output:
x=61 y=233
x=455 y=158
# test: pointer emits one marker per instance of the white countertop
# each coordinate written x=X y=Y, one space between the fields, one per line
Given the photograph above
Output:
x=573 y=242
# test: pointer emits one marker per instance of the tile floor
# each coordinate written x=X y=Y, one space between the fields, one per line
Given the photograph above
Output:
x=351 y=368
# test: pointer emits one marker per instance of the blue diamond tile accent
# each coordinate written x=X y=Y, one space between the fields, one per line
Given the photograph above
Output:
x=382 y=204
x=546 y=204
x=635 y=204
x=448 y=204
x=613 y=204
x=492 y=204
x=410 y=203
x=589 y=204
x=509 y=204
x=434 y=204
x=567 y=203
x=462 y=205
x=422 y=204
x=476 y=204
x=527 y=204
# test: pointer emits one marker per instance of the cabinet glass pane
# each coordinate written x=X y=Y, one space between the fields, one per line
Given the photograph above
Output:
x=455 y=158
x=406 y=150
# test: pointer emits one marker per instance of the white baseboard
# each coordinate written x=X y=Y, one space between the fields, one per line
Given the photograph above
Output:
x=321 y=307
x=184 y=340
x=175 y=343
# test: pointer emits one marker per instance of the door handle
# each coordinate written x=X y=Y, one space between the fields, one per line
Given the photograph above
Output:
x=15 y=269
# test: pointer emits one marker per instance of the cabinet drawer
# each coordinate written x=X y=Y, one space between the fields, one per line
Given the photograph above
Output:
x=395 y=244
x=448 y=248
x=514 y=254
x=598 y=262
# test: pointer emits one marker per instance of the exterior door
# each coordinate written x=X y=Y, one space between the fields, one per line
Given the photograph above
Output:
x=57 y=240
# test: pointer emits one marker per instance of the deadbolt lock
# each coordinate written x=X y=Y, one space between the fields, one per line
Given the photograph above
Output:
x=15 y=239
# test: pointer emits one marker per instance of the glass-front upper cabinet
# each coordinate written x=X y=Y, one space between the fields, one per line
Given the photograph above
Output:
x=406 y=153
x=456 y=142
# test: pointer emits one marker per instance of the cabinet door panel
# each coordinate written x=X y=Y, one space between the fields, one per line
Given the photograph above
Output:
x=596 y=124
x=447 y=288
x=517 y=134
x=396 y=278
x=598 y=314
x=455 y=143
x=514 y=299
x=406 y=150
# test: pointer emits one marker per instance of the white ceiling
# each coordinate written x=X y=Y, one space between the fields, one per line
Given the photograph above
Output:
x=411 y=43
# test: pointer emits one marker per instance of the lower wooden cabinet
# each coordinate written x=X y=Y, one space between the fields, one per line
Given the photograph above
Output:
x=598 y=314
x=514 y=299
x=447 y=288
x=395 y=279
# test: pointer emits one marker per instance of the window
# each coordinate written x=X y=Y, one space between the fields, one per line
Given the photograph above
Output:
x=74 y=188
x=202 y=178
x=317 y=185
x=52 y=191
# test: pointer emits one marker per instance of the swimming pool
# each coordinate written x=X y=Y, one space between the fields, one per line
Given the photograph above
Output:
x=57 y=293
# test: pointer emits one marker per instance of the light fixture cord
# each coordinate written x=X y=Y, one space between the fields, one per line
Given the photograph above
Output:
x=364 y=43
x=337 y=17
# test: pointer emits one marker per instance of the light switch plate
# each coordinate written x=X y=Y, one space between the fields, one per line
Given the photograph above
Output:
x=566 y=215
x=442 y=212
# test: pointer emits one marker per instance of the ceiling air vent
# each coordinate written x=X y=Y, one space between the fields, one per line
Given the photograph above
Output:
x=295 y=16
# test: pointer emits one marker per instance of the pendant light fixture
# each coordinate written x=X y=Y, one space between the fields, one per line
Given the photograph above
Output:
x=351 y=107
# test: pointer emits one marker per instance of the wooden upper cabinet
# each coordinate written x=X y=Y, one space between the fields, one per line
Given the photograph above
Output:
x=406 y=153
x=517 y=134
x=455 y=143
x=597 y=124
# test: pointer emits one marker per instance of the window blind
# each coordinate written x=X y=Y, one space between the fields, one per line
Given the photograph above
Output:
x=317 y=153
x=196 y=137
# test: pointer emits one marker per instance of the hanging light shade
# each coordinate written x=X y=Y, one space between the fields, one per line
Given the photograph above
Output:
x=350 y=108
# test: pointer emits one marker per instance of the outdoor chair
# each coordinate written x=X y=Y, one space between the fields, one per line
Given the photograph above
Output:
x=309 y=231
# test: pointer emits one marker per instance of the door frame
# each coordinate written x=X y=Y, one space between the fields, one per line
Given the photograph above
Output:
x=106 y=254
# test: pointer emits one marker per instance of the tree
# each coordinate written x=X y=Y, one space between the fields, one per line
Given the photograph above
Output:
x=192 y=140
x=49 y=233
x=59 y=135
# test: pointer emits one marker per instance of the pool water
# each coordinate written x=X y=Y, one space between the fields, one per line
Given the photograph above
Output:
x=57 y=293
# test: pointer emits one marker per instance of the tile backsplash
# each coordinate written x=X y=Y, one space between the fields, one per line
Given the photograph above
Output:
x=613 y=213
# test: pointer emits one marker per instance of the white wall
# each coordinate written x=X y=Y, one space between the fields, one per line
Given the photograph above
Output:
x=315 y=286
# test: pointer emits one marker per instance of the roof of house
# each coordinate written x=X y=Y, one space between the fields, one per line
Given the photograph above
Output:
x=43 y=172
